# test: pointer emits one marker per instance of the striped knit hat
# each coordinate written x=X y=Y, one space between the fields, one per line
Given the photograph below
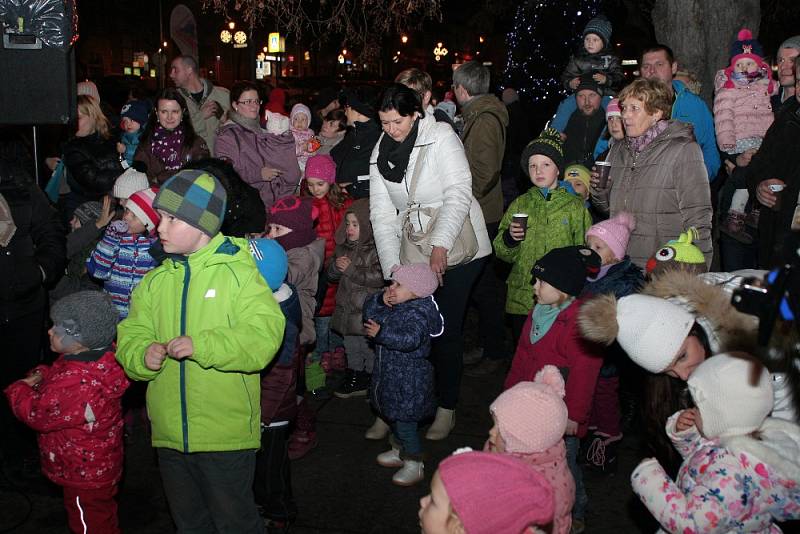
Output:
x=141 y=204
x=195 y=197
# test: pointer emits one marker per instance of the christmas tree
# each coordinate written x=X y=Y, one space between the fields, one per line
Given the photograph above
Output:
x=545 y=34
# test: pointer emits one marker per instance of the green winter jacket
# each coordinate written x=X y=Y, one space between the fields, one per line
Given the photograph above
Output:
x=209 y=401
x=558 y=222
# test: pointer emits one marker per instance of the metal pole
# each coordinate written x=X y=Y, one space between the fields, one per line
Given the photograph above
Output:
x=36 y=156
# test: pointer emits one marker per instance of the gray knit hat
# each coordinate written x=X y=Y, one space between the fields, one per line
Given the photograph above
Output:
x=195 y=197
x=86 y=317
x=791 y=42
x=601 y=27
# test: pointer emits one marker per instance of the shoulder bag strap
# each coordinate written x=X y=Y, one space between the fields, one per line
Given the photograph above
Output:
x=412 y=187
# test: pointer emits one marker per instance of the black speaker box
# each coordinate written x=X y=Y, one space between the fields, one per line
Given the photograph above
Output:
x=38 y=86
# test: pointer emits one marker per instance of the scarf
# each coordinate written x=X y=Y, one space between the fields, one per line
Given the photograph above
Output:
x=638 y=144
x=7 y=226
x=250 y=124
x=166 y=146
x=393 y=156
x=746 y=78
x=544 y=316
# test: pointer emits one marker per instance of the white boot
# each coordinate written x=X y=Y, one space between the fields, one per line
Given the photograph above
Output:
x=390 y=458
x=442 y=425
x=411 y=473
x=378 y=430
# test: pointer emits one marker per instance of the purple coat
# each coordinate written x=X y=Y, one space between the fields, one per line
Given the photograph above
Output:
x=249 y=151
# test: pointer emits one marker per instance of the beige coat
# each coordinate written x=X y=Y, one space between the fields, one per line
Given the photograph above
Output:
x=665 y=187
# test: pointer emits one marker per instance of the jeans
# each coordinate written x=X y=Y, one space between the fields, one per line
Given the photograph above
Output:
x=581 y=499
x=327 y=339
x=406 y=434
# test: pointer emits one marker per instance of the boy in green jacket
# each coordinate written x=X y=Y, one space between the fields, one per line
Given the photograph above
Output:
x=556 y=218
x=201 y=327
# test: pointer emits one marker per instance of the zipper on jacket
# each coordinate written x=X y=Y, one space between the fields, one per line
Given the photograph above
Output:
x=378 y=382
x=184 y=416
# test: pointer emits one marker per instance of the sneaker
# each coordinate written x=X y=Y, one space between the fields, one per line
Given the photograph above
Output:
x=484 y=368
x=356 y=386
x=734 y=227
x=301 y=442
x=339 y=359
x=320 y=394
x=473 y=356
x=411 y=473
x=602 y=452
x=390 y=458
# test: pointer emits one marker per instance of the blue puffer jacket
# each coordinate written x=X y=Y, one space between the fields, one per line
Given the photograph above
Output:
x=402 y=381
x=621 y=280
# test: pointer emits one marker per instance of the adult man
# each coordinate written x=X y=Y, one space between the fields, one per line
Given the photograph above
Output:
x=658 y=62
x=353 y=152
x=777 y=163
x=484 y=138
x=785 y=57
x=206 y=102
x=585 y=125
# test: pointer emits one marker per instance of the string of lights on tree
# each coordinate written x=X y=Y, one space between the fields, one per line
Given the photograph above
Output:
x=545 y=34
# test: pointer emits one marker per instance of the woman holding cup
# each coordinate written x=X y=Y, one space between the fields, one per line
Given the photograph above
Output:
x=657 y=174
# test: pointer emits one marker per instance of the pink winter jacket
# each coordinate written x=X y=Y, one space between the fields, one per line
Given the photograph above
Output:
x=741 y=112
x=552 y=463
x=739 y=484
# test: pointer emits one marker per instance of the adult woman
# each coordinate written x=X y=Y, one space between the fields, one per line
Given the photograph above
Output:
x=169 y=141
x=657 y=174
x=444 y=181
x=265 y=161
x=90 y=160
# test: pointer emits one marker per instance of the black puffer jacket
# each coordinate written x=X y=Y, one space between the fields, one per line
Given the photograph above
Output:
x=92 y=165
x=352 y=156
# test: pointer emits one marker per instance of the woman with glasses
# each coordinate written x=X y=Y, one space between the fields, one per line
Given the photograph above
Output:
x=264 y=160
x=169 y=141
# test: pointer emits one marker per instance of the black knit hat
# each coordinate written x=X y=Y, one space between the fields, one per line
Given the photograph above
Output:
x=355 y=99
x=566 y=268
x=587 y=82
x=601 y=27
x=548 y=144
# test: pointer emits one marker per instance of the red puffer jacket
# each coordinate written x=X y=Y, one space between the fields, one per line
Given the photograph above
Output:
x=329 y=220
x=77 y=412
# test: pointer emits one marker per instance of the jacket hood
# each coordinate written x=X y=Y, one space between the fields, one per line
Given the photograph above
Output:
x=676 y=130
x=434 y=318
x=778 y=447
x=551 y=455
x=486 y=104
x=359 y=208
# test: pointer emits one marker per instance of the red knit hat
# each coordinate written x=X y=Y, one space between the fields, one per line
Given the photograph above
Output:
x=141 y=204
x=321 y=167
x=493 y=493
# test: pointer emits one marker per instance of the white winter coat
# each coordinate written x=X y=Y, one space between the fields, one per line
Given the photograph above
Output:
x=444 y=181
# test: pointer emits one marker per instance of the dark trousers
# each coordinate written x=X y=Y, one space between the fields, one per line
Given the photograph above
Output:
x=448 y=349
x=273 y=482
x=517 y=322
x=211 y=492
x=736 y=255
x=489 y=297
x=92 y=510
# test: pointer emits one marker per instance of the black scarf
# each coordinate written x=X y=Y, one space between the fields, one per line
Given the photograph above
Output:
x=393 y=156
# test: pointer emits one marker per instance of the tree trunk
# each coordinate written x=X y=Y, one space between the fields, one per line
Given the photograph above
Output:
x=701 y=32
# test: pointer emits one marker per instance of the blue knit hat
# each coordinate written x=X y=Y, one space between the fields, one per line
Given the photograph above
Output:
x=195 y=197
x=271 y=261
x=601 y=27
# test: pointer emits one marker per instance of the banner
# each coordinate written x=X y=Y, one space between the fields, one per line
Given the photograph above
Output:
x=183 y=30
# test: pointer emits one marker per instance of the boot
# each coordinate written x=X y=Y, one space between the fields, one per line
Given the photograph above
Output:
x=378 y=430
x=390 y=458
x=442 y=425
x=411 y=473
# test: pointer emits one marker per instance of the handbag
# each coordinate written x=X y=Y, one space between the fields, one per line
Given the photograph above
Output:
x=415 y=245
x=53 y=187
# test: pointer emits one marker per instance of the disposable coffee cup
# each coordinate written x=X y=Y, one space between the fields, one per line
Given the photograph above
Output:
x=522 y=220
x=777 y=189
x=603 y=170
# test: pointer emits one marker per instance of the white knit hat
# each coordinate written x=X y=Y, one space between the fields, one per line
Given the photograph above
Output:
x=734 y=395
x=277 y=123
x=652 y=330
x=129 y=182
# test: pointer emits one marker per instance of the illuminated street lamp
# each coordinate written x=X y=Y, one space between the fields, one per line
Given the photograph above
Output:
x=231 y=25
x=404 y=39
x=440 y=51
x=481 y=39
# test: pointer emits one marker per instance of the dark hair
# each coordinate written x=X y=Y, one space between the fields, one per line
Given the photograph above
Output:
x=336 y=195
x=240 y=87
x=170 y=93
x=337 y=115
x=658 y=48
x=402 y=99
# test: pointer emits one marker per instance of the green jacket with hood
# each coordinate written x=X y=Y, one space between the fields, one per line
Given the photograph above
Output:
x=209 y=401
x=558 y=221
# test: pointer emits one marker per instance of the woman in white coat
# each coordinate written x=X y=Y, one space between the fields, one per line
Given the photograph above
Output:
x=444 y=182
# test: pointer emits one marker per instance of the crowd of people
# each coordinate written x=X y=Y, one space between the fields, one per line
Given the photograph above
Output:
x=238 y=260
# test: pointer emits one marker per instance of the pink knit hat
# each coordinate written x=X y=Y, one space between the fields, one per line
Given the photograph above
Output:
x=493 y=493
x=300 y=109
x=321 y=167
x=615 y=232
x=613 y=109
x=418 y=277
x=141 y=204
x=532 y=416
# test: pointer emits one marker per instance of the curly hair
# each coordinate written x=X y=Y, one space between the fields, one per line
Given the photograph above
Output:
x=655 y=95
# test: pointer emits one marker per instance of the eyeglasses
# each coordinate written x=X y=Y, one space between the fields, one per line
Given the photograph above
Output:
x=248 y=102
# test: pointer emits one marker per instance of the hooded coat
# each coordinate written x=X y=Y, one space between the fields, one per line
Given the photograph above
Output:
x=362 y=277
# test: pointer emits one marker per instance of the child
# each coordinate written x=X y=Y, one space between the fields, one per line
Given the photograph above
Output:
x=75 y=407
x=529 y=424
x=128 y=183
x=330 y=203
x=679 y=254
x=740 y=468
x=556 y=218
x=595 y=57
x=273 y=481
x=133 y=117
x=202 y=325
x=357 y=271
x=305 y=144
x=620 y=277
x=485 y=493
x=578 y=177
x=550 y=336
x=742 y=114
x=402 y=320
x=122 y=257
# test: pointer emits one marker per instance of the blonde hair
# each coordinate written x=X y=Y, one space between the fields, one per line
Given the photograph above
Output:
x=415 y=79
x=654 y=94
x=90 y=108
